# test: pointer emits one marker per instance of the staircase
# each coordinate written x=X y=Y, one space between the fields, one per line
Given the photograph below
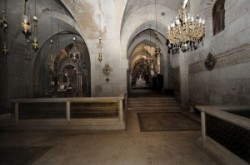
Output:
x=146 y=100
x=152 y=104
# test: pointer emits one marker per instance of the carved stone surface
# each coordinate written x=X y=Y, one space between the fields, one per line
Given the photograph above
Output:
x=210 y=62
x=107 y=69
x=228 y=58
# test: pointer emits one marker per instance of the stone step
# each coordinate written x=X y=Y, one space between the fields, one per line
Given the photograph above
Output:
x=153 y=105
x=152 y=98
x=174 y=108
x=151 y=101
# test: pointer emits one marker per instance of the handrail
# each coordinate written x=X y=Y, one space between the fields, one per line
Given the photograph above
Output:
x=221 y=112
x=70 y=99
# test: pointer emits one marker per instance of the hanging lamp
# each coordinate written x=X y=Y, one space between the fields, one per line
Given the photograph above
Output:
x=28 y=56
x=26 y=26
x=74 y=55
x=4 y=26
x=35 y=44
x=100 y=58
x=157 y=49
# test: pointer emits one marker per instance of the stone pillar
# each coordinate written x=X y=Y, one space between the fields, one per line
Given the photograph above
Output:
x=184 y=79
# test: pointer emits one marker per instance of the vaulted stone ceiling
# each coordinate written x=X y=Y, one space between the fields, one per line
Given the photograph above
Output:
x=86 y=13
x=125 y=20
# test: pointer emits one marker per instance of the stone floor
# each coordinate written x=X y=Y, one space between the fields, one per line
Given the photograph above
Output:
x=128 y=147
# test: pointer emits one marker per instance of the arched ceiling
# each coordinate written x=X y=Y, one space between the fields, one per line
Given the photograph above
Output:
x=134 y=5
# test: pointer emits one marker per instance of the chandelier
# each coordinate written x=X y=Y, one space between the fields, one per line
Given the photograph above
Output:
x=186 y=32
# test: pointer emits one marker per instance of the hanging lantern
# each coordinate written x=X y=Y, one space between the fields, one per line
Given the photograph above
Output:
x=100 y=47
x=51 y=58
x=35 y=44
x=3 y=21
x=26 y=26
x=28 y=56
x=5 y=49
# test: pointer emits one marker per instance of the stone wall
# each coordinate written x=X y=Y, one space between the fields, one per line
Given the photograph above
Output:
x=229 y=81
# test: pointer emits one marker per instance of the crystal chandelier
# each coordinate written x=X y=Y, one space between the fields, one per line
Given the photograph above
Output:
x=186 y=32
x=26 y=26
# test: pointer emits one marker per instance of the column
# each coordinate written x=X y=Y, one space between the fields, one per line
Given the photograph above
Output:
x=184 y=79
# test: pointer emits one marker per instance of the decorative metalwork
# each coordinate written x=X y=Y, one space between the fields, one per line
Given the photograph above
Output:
x=185 y=33
x=75 y=54
x=210 y=62
x=107 y=69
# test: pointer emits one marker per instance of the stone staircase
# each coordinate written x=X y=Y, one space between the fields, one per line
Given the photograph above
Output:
x=154 y=103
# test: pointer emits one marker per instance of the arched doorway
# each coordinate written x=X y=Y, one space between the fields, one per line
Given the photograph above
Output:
x=59 y=76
